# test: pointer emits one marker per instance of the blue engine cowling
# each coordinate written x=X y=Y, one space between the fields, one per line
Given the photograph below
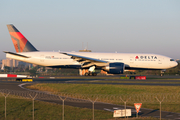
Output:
x=115 y=68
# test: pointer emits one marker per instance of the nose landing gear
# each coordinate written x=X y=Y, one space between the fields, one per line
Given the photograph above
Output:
x=162 y=72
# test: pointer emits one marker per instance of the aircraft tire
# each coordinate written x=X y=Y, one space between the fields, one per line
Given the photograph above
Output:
x=90 y=74
x=86 y=74
x=94 y=74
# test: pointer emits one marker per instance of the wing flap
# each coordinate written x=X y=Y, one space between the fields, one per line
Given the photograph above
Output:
x=86 y=61
x=78 y=57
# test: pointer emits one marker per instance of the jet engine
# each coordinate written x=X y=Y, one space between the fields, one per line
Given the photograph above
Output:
x=115 y=68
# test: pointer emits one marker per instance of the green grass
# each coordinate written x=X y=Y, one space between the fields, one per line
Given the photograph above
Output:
x=21 y=109
x=116 y=81
x=104 y=89
x=112 y=93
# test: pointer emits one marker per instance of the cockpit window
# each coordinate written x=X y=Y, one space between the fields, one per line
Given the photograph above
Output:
x=172 y=60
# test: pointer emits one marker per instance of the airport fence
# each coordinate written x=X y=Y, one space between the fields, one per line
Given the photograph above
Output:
x=115 y=98
x=148 y=100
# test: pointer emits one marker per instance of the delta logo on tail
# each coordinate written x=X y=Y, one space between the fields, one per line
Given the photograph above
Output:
x=21 y=44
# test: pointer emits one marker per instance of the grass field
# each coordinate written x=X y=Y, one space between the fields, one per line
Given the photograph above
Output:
x=104 y=89
x=112 y=94
x=21 y=109
x=118 y=81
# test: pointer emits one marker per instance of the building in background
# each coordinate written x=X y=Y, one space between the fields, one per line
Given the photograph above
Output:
x=8 y=62
x=14 y=63
x=85 y=50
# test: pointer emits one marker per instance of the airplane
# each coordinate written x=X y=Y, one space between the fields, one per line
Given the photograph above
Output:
x=112 y=63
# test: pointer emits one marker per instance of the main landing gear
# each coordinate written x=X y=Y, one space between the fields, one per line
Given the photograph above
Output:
x=90 y=74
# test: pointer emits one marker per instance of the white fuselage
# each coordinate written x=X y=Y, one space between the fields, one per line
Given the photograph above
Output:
x=131 y=60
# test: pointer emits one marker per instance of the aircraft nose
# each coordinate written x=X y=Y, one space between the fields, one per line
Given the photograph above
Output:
x=175 y=64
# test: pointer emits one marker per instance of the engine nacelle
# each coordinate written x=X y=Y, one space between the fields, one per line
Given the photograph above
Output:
x=115 y=68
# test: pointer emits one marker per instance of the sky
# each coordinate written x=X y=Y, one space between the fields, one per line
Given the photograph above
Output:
x=128 y=26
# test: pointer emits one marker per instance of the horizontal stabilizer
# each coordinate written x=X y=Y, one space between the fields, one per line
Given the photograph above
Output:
x=16 y=54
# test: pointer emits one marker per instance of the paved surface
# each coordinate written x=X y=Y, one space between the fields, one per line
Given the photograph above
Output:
x=14 y=86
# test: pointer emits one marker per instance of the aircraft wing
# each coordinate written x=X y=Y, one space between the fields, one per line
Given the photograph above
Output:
x=16 y=54
x=87 y=61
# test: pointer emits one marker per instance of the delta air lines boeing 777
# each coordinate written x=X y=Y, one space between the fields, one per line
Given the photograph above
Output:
x=113 y=63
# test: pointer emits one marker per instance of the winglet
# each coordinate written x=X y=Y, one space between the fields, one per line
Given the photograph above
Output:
x=21 y=44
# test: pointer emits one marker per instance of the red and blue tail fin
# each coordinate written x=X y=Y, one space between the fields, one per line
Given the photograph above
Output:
x=21 y=44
